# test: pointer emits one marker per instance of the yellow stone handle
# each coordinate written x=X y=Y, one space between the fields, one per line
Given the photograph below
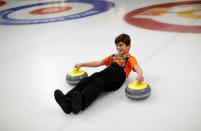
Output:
x=76 y=72
x=137 y=85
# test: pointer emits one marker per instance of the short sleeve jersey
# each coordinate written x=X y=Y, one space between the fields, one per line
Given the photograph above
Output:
x=129 y=65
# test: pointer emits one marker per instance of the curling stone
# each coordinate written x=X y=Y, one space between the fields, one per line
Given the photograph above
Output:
x=137 y=90
x=74 y=77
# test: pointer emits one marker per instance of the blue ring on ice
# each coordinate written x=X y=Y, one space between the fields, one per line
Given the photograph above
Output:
x=99 y=6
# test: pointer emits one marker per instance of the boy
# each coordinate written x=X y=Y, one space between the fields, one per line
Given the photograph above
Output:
x=109 y=79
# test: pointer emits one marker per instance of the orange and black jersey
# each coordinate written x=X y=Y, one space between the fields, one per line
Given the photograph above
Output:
x=119 y=59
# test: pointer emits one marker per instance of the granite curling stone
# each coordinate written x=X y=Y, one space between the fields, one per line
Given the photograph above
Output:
x=138 y=90
x=74 y=77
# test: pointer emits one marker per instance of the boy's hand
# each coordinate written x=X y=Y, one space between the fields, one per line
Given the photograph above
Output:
x=89 y=64
x=78 y=66
x=140 y=79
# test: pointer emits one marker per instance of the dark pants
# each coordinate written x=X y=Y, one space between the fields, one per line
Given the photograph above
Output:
x=109 y=79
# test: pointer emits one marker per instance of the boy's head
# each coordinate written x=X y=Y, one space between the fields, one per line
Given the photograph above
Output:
x=123 y=43
x=123 y=38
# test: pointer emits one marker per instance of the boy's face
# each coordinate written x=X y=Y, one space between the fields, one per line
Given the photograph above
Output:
x=122 y=48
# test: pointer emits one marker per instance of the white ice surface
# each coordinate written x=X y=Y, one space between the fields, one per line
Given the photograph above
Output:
x=34 y=60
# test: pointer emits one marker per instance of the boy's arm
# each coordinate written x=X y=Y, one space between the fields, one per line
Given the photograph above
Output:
x=89 y=64
x=139 y=72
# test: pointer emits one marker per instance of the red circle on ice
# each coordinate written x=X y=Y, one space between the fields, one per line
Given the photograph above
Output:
x=50 y=10
x=2 y=3
x=149 y=23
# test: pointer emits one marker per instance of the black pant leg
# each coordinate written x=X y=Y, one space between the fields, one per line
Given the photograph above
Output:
x=109 y=79
x=77 y=88
x=88 y=89
x=90 y=93
x=82 y=84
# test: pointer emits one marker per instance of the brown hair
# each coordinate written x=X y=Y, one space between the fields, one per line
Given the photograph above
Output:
x=123 y=38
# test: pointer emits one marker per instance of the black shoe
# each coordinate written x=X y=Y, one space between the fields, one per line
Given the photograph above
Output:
x=76 y=100
x=63 y=102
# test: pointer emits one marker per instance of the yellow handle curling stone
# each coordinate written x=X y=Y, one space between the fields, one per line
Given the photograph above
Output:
x=74 y=77
x=138 y=90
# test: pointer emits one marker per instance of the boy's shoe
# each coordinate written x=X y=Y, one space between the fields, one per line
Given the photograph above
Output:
x=63 y=101
x=76 y=99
